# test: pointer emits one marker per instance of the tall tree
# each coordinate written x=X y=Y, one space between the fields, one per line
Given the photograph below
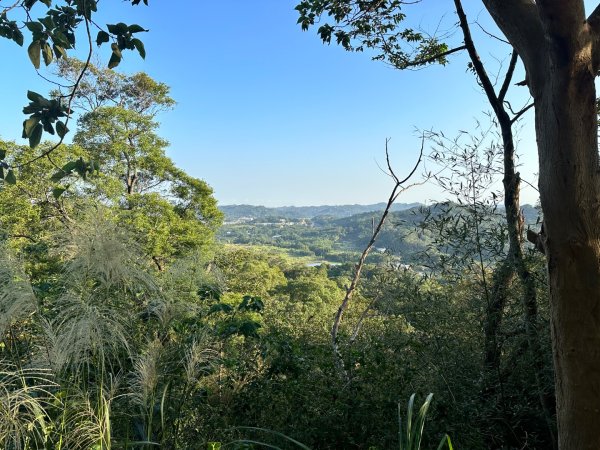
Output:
x=559 y=47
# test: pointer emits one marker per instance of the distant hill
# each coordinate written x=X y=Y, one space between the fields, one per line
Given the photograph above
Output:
x=332 y=233
x=237 y=212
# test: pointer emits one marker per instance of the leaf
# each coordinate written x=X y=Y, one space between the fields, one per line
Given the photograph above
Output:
x=47 y=53
x=2 y=153
x=136 y=28
x=139 y=45
x=29 y=125
x=61 y=129
x=10 y=177
x=59 y=51
x=36 y=135
x=113 y=61
x=33 y=51
x=34 y=27
x=119 y=28
x=58 y=191
x=17 y=36
x=102 y=37
x=57 y=176
x=37 y=98
x=116 y=50
x=68 y=167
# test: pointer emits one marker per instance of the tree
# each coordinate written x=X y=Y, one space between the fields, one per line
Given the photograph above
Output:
x=559 y=47
x=52 y=35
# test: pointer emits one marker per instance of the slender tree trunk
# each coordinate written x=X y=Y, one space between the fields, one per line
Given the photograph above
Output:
x=515 y=261
x=492 y=379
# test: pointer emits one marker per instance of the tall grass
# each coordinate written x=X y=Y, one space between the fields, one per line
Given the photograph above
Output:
x=411 y=436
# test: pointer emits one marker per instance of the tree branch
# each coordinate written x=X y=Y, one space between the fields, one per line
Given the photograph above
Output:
x=433 y=58
x=396 y=191
x=520 y=22
x=509 y=74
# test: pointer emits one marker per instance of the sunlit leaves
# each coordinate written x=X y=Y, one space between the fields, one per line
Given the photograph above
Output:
x=78 y=166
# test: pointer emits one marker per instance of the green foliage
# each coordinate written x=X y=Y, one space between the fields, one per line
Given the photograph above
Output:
x=43 y=114
x=51 y=36
x=358 y=25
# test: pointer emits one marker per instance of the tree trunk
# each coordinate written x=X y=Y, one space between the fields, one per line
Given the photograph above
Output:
x=560 y=51
x=568 y=153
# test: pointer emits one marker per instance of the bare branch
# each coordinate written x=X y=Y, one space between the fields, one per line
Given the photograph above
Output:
x=520 y=113
x=509 y=74
x=396 y=191
x=493 y=36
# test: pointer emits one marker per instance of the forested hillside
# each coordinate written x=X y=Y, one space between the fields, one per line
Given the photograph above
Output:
x=408 y=235
x=136 y=312
x=134 y=317
x=234 y=213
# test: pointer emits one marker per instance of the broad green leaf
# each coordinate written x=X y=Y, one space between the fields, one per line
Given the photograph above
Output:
x=17 y=36
x=33 y=51
x=114 y=61
x=119 y=28
x=68 y=167
x=37 y=98
x=58 y=191
x=61 y=129
x=34 y=27
x=57 y=176
x=139 y=45
x=102 y=37
x=36 y=135
x=116 y=50
x=29 y=125
x=59 y=51
x=48 y=22
x=10 y=177
x=136 y=28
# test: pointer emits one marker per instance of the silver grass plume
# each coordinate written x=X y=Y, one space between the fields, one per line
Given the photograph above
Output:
x=17 y=299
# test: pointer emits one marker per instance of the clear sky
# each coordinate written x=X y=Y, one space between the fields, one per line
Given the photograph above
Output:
x=269 y=115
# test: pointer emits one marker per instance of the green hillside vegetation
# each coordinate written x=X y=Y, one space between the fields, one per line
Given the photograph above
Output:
x=410 y=235
x=237 y=212
x=131 y=317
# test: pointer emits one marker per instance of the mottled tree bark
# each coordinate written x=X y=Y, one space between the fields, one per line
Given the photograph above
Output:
x=559 y=49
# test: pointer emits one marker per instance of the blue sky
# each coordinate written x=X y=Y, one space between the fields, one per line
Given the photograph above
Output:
x=269 y=115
